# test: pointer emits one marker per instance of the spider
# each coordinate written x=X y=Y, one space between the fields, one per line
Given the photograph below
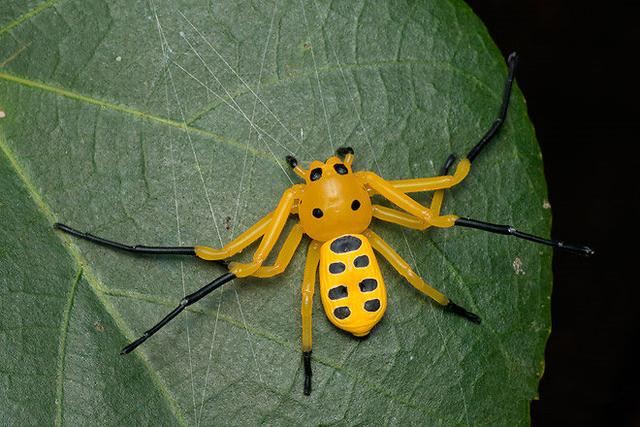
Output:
x=335 y=210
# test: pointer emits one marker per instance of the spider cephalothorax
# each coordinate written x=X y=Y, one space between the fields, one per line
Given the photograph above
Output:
x=334 y=200
x=335 y=210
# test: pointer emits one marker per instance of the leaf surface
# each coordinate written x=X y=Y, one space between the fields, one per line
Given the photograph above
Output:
x=132 y=121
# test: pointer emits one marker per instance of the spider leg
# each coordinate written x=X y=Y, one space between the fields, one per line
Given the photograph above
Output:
x=271 y=234
x=308 y=284
x=401 y=218
x=238 y=244
x=441 y=182
x=284 y=256
x=153 y=250
x=512 y=62
x=447 y=181
x=398 y=217
x=274 y=224
x=416 y=281
x=446 y=221
x=423 y=214
x=509 y=230
x=293 y=163
x=186 y=301
x=438 y=196
x=204 y=252
x=346 y=153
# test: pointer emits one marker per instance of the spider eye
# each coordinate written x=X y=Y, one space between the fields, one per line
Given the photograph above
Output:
x=316 y=174
x=341 y=169
x=355 y=205
x=317 y=212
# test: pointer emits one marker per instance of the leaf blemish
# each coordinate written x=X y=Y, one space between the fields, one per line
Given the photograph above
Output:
x=99 y=326
x=517 y=266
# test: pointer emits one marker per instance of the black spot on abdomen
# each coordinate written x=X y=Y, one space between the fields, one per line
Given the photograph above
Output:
x=372 y=305
x=345 y=244
x=338 y=292
x=342 y=312
x=361 y=261
x=368 y=285
x=336 y=267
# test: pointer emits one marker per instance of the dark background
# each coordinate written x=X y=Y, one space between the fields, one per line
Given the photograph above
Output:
x=578 y=71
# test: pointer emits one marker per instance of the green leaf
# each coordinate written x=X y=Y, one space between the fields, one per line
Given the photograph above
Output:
x=104 y=133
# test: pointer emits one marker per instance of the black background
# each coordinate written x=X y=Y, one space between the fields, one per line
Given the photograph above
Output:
x=578 y=73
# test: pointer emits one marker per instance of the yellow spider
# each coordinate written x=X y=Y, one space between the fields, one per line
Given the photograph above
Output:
x=335 y=210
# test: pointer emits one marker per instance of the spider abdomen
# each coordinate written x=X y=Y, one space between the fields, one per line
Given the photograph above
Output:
x=351 y=286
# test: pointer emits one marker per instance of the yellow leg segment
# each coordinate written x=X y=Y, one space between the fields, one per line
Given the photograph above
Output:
x=401 y=218
x=238 y=244
x=404 y=269
x=397 y=197
x=404 y=219
x=271 y=235
x=425 y=215
x=348 y=158
x=284 y=256
x=308 y=285
x=434 y=183
x=398 y=217
x=436 y=202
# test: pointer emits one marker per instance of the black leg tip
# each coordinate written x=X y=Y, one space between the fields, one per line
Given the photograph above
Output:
x=128 y=349
x=581 y=250
x=456 y=309
x=513 y=58
x=306 y=357
x=292 y=161
x=343 y=151
x=61 y=226
x=447 y=164
x=65 y=228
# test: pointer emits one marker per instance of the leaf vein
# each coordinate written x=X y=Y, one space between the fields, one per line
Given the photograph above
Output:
x=62 y=347
x=26 y=16
x=94 y=283
x=33 y=84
